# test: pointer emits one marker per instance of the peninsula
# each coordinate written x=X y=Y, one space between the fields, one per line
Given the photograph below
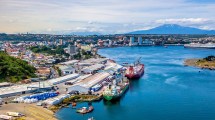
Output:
x=205 y=63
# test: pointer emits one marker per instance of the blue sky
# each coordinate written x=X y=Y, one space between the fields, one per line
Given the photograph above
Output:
x=112 y=16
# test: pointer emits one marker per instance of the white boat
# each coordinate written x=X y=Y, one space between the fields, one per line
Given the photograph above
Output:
x=15 y=114
x=199 y=45
x=5 y=117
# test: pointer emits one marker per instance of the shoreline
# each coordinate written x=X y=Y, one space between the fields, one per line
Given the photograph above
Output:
x=199 y=63
x=75 y=98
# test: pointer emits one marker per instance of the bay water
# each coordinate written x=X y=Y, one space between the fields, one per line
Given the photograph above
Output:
x=168 y=90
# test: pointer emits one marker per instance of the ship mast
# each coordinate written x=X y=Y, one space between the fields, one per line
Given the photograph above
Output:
x=137 y=61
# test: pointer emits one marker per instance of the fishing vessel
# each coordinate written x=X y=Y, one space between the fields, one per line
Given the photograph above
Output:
x=199 y=45
x=116 y=89
x=135 y=71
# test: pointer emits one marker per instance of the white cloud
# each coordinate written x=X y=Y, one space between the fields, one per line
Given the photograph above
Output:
x=184 y=20
x=110 y=16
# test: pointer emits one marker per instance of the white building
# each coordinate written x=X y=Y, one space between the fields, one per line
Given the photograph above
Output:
x=86 y=84
x=131 y=41
x=92 y=69
x=71 y=62
x=66 y=70
x=59 y=80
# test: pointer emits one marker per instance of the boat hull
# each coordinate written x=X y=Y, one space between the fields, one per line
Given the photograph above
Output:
x=137 y=75
x=115 y=97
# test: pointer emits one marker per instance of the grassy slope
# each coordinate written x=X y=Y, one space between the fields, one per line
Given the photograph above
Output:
x=13 y=69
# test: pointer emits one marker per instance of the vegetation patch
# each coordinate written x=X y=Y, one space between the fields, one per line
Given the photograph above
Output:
x=206 y=63
x=48 y=50
x=13 y=69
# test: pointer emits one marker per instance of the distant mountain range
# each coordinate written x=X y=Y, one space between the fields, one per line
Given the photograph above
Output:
x=173 y=29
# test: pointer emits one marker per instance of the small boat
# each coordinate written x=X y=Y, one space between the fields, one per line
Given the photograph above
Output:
x=6 y=117
x=15 y=114
x=82 y=110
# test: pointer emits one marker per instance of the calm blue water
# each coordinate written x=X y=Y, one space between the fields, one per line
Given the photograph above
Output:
x=167 y=91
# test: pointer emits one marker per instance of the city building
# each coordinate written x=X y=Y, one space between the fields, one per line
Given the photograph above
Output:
x=61 y=42
x=131 y=41
x=110 y=43
x=72 y=49
x=140 y=40
x=147 y=42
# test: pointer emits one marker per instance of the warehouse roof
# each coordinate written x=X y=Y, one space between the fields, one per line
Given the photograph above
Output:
x=79 y=78
x=23 y=87
x=94 y=60
x=63 y=79
x=69 y=62
x=93 y=67
x=93 y=80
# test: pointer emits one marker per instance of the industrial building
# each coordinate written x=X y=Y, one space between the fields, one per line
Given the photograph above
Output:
x=66 y=70
x=112 y=67
x=87 y=83
x=78 y=79
x=23 y=89
x=59 y=80
x=92 y=69
x=29 y=88
x=95 y=61
x=71 y=62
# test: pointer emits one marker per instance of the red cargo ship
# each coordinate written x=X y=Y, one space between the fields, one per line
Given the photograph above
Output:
x=135 y=71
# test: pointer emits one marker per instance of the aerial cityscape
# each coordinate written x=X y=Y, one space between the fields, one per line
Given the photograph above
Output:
x=107 y=60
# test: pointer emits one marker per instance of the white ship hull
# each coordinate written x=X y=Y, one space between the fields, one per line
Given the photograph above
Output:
x=198 y=45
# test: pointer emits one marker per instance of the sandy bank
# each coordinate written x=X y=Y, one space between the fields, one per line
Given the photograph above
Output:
x=31 y=111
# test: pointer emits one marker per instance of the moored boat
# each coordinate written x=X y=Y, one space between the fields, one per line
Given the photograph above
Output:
x=82 y=110
x=199 y=45
x=115 y=90
x=135 y=71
